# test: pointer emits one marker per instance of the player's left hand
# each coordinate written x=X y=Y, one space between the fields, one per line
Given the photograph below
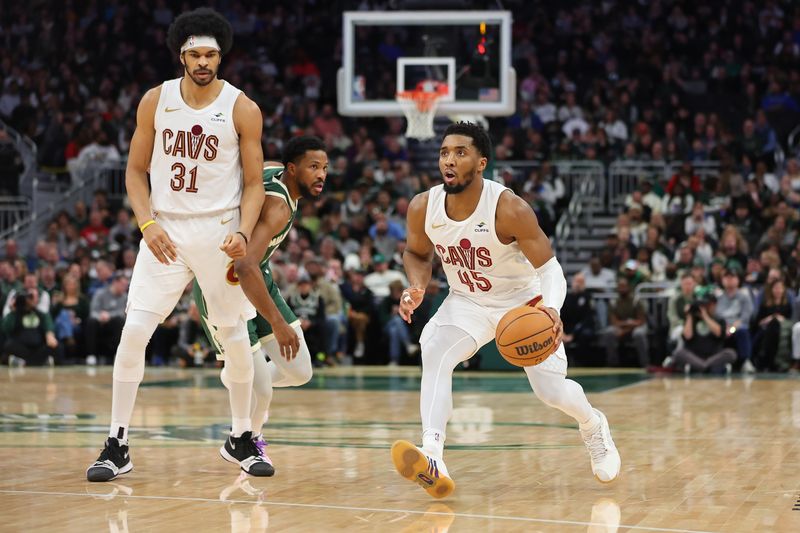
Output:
x=234 y=246
x=558 y=326
x=410 y=300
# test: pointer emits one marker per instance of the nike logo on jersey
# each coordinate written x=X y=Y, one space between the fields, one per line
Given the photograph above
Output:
x=225 y=221
x=170 y=110
x=437 y=226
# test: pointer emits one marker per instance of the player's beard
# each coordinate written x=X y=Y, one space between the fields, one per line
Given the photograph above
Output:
x=201 y=83
x=306 y=192
x=457 y=187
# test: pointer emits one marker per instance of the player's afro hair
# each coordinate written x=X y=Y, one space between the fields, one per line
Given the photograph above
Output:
x=201 y=21
x=297 y=147
x=478 y=135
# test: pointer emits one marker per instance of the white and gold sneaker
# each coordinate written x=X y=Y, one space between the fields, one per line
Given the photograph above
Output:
x=602 y=450
x=427 y=471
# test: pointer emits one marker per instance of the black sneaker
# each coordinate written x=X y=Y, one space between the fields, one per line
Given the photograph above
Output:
x=113 y=461
x=244 y=452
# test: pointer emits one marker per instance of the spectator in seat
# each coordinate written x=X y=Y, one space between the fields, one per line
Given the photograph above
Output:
x=192 y=348
x=361 y=306
x=106 y=318
x=703 y=339
x=628 y=322
x=70 y=312
x=597 y=277
x=676 y=308
x=578 y=316
x=335 y=323
x=735 y=307
x=29 y=333
x=379 y=280
x=29 y=282
x=309 y=306
x=396 y=329
x=772 y=322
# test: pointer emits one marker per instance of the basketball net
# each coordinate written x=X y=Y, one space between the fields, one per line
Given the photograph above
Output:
x=419 y=106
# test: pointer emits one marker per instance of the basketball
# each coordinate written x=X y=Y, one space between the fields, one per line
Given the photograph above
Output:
x=525 y=337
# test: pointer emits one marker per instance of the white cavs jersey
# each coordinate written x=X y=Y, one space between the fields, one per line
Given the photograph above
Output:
x=478 y=266
x=196 y=166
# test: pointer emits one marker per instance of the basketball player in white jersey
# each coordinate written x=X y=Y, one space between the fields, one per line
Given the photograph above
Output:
x=199 y=138
x=496 y=257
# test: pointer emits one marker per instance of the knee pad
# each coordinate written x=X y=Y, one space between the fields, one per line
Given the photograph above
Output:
x=129 y=360
x=548 y=387
x=262 y=381
x=238 y=357
x=303 y=370
x=292 y=373
x=446 y=342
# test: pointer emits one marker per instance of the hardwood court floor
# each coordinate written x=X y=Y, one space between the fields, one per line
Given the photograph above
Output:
x=698 y=455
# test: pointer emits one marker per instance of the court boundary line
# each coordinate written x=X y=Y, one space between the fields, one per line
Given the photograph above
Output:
x=353 y=508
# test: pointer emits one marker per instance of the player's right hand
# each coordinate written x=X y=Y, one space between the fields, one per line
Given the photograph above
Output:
x=410 y=300
x=288 y=341
x=160 y=244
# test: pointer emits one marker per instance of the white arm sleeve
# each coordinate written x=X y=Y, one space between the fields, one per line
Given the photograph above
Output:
x=554 y=286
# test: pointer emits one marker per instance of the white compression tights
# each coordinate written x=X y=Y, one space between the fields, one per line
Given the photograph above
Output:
x=239 y=370
x=278 y=372
x=443 y=348
x=129 y=368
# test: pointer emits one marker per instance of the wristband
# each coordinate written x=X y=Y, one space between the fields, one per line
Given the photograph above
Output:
x=146 y=225
x=243 y=237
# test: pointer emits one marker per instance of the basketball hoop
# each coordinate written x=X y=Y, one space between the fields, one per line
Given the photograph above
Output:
x=419 y=106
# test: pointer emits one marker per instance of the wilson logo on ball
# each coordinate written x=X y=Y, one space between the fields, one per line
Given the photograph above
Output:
x=534 y=347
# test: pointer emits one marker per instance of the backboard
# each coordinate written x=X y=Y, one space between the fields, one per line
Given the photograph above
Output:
x=390 y=51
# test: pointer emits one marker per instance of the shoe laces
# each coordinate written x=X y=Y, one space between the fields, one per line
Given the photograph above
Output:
x=250 y=447
x=596 y=444
x=261 y=445
x=111 y=452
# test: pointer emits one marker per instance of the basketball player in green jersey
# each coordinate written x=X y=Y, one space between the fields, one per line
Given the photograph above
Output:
x=276 y=330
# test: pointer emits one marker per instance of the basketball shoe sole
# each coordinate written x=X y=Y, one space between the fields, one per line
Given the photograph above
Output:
x=414 y=465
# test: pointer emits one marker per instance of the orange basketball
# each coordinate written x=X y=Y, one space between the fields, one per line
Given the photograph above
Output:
x=525 y=337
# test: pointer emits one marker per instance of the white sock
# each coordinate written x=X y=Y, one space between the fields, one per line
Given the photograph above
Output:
x=433 y=442
x=239 y=426
x=123 y=398
x=238 y=375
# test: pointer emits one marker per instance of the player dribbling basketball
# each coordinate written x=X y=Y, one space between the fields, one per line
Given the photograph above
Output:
x=496 y=257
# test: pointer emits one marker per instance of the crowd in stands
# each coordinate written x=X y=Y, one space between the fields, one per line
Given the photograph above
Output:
x=656 y=81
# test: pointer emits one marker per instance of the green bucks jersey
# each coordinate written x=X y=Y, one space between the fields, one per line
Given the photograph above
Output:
x=273 y=186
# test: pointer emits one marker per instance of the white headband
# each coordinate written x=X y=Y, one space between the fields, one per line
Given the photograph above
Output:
x=196 y=41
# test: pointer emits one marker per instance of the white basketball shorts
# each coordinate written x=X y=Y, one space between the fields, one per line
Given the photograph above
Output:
x=481 y=323
x=156 y=287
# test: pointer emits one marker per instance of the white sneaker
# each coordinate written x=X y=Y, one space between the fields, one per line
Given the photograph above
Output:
x=748 y=367
x=687 y=369
x=728 y=369
x=667 y=362
x=358 y=353
x=602 y=451
x=15 y=361
x=427 y=471
x=91 y=360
